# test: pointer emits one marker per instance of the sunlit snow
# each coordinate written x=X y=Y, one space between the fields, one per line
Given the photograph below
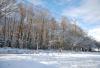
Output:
x=51 y=59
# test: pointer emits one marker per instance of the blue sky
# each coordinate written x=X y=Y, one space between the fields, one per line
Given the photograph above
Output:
x=86 y=12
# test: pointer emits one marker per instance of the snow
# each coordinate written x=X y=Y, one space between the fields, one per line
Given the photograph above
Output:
x=15 y=51
x=23 y=64
x=48 y=59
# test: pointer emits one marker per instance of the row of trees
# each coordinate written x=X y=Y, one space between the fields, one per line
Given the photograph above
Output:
x=33 y=27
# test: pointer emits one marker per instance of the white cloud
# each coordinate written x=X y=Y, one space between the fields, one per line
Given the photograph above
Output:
x=95 y=33
x=88 y=11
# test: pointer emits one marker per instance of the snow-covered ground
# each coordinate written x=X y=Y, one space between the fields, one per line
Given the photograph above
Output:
x=50 y=60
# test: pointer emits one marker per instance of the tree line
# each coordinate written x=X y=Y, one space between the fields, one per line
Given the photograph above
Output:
x=34 y=27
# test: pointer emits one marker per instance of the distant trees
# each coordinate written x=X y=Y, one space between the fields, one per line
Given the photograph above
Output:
x=35 y=28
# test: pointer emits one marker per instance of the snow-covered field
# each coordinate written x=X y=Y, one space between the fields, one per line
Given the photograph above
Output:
x=50 y=60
